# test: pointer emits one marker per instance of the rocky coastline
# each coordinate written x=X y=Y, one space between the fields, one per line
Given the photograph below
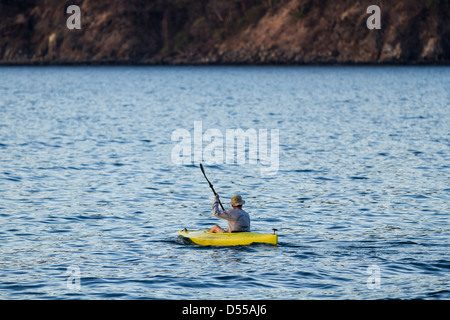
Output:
x=213 y=32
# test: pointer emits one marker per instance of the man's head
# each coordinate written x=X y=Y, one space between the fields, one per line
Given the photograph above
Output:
x=236 y=201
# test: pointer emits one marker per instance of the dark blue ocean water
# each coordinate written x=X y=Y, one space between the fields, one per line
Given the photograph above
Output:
x=91 y=199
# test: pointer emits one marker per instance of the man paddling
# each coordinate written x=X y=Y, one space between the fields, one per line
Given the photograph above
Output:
x=238 y=219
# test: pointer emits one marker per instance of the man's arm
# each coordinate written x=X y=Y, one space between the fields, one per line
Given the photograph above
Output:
x=220 y=213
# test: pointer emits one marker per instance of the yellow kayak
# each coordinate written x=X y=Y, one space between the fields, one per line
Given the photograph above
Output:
x=205 y=238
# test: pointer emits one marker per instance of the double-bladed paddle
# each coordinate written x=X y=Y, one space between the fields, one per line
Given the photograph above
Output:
x=210 y=184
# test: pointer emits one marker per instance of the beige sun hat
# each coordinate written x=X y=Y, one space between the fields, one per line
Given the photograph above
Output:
x=236 y=200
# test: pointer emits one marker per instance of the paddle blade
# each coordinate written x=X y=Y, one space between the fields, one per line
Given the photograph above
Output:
x=203 y=170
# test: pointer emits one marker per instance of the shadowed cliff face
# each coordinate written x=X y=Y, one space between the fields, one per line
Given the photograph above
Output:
x=228 y=32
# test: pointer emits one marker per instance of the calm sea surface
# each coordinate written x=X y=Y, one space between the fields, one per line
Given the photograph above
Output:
x=91 y=200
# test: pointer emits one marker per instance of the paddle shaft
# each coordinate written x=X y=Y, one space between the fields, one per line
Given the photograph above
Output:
x=210 y=185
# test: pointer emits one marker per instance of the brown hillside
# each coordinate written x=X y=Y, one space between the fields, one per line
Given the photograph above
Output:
x=224 y=32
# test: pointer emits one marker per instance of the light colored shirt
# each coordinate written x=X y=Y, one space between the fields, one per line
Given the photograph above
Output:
x=238 y=219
